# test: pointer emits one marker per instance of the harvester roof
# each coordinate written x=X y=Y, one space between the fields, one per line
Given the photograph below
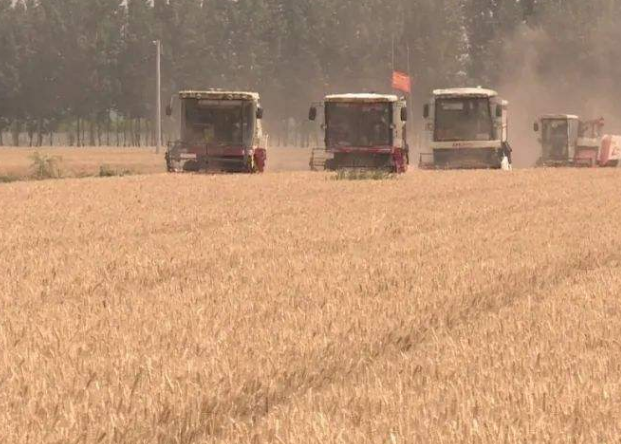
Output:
x=364 y=97
x=219 y=95
x=465 y=92
x=559 y=117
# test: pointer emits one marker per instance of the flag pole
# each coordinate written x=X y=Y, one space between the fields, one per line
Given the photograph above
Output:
x=393 y=52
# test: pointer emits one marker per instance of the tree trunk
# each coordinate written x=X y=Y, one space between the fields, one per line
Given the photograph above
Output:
x=77 y=133
x=134 y=138
x=108 y=132
x=124 y=133
x=91 y=132
x=16 y=130
x=83 y=133
x=30 y=131
x=138 y=133
x=98 y=132
x=131 y=132
x=40 y=132
x=148 y=137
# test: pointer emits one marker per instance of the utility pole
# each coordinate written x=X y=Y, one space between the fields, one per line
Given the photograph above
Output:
x=158 y=107
x=408 y=124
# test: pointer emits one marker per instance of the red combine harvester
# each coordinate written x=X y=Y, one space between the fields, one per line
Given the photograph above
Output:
x=220 y=131
x=568 y=141
x=362 y=131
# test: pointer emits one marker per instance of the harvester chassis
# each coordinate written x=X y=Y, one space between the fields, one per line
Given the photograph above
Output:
x=429 y=161
x=179 y=160
x=581 y=163
x=323 y=159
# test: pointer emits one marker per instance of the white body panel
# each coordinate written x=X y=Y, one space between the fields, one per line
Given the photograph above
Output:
x=500 y=123
x=467 y=144
x=610 y=153
x=588 y=142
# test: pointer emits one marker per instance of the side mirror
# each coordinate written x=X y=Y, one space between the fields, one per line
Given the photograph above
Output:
x=536 y=127
x=499 y=111
x=169 y=110
x=259 y=113
x=312 y=113
x=426 y=111
x=404 y=114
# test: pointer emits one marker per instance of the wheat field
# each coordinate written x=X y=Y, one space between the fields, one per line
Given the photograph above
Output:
x=76 y=162
x=478 y=307
x=80 y=162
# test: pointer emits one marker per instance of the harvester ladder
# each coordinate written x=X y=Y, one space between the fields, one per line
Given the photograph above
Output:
x=318 y=160
x=426 y=161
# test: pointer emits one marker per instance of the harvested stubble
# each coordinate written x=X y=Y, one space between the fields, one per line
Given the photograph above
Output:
x=289 y=308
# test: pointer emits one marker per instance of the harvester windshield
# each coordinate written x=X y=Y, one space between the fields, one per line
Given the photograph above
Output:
x=460 y=119
x=358 y=124
x=555 y=130
x=219 y=122
x=555 y=137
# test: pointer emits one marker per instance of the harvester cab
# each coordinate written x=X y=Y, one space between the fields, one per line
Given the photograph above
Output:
x=466 y=128
x=567 y=141
x=361 y=131
x=220 y=131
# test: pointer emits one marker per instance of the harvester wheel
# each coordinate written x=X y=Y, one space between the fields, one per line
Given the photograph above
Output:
x=191 y=166
x=259 y=160
x=169 y=167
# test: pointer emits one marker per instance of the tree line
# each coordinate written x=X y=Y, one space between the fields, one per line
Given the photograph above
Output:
x=84 y=71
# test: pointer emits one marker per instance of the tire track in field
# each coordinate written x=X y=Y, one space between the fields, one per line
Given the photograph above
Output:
x=257 y=397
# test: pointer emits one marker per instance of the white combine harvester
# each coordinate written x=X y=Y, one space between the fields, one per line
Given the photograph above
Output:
x=219 y=131
x=466 y=128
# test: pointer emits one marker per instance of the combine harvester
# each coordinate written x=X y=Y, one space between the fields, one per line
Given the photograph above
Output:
x=362 y=131
x=220 y=131
x=567 y=141
x=466 y=128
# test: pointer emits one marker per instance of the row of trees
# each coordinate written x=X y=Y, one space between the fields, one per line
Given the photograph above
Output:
x=86 y=68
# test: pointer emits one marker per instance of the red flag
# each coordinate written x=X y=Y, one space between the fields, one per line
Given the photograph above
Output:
x=401 y=81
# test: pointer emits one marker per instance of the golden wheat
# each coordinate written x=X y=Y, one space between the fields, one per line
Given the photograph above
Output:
x=291 y=308
x=83 y=161
x=77 y=162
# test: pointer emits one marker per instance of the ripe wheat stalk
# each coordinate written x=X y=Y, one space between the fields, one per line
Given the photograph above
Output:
x=291 y=308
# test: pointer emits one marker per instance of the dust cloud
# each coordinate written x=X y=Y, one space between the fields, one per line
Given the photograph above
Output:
x=536 y=83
